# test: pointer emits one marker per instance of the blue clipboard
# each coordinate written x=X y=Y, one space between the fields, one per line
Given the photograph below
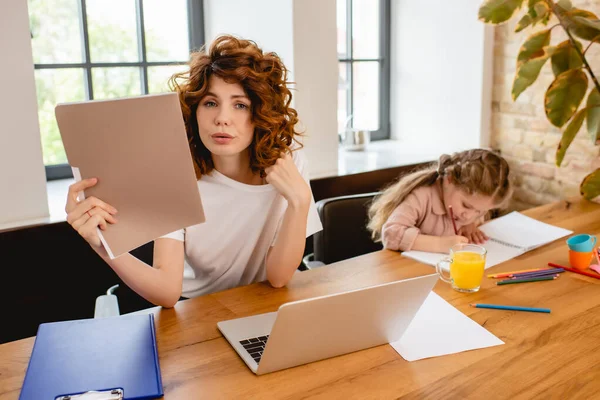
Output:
x=107 y=358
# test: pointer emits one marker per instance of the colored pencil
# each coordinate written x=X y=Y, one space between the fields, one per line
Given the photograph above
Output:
x=452 y=218
x=551 y=271
x=555 y=275
x=542 y=271
x=533 y=276
x=514 y=308
x=597 y=276
x=507 y=274
x=536 y=279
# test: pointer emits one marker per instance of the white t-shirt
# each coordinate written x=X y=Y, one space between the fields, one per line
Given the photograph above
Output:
x=230 y=248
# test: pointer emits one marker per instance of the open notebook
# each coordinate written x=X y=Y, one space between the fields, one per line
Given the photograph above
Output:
x=510 y=236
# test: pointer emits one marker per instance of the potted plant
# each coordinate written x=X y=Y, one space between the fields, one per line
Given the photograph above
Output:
x=565 y=100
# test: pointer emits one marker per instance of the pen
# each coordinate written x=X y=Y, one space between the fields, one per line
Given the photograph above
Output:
x=514 y=308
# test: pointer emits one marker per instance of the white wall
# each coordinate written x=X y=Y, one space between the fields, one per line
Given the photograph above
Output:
x=303 y=34
x=268 y=22
x=316 y=66
x=22 y=177
x=441 y=74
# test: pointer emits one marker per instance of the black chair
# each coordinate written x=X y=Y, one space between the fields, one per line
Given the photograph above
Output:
x=344 y=233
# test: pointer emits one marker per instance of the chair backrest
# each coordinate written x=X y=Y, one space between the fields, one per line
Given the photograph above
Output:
x=344 y=233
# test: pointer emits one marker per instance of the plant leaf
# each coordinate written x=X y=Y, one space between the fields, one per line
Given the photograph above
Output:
x=565 y=57
x=590 y=186
x=564 y=96
x=590 y=23
x=542 y=10
x=569 y=134
x=578 y=12
x=523 y=23
x=533 y=46
x=498 y=11
x=593 y=115
x=538 y=11
x=583 y=24
x=565 y=4
x=528 y=72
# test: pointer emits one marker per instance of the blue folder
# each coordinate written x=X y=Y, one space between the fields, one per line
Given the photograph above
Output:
x=95 y=355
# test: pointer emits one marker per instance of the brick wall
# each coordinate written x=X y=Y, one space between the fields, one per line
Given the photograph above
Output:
x=521 y=131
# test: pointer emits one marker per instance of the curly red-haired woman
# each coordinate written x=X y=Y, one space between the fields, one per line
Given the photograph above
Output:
x=252 y=176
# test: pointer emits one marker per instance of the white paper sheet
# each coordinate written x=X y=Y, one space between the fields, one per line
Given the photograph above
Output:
x=439 y=329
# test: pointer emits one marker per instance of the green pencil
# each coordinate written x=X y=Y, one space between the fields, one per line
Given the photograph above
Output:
x=540 y=278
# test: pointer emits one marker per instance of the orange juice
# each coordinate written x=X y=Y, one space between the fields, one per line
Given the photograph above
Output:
x=466 y=269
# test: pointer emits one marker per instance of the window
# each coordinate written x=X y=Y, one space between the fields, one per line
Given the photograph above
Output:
x=101 y=49
x=363 y=33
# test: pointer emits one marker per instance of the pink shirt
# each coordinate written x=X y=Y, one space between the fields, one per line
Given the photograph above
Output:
x=422 y=211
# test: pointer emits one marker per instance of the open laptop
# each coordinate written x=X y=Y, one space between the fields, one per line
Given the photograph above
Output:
x=313 y=329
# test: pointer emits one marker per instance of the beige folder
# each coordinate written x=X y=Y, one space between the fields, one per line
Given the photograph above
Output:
x=137 y=148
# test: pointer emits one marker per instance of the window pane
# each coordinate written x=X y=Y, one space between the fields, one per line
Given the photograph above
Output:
x=158 y=77
x=365 y=95
x=110 y=83
x=56 y=86
x=343 y=88
x=112 y=30
x=341 y=29
x=167 y=39
x=365 y=28
x=55 y=31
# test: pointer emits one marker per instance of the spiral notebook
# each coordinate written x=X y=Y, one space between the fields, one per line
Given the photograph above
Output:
x=108 y=358
x=510 y=236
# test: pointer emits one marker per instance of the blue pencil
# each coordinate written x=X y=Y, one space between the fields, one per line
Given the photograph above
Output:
x=514 y=308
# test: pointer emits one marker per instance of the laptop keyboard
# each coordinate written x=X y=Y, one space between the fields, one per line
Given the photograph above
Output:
x=255 y=346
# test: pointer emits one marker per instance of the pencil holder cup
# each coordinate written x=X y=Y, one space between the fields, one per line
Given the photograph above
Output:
x=582 y=243
x=580 y=259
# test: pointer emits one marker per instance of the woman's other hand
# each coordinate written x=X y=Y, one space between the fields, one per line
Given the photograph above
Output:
x=288 y=181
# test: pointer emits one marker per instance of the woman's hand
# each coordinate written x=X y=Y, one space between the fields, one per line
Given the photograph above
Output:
x=473 y=233
x=288 y=181
x=85 y=216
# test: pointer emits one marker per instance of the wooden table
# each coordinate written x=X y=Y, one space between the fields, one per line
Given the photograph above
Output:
x=553 y=355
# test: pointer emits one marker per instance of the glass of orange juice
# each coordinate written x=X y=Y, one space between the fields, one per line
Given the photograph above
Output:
x=467 y=262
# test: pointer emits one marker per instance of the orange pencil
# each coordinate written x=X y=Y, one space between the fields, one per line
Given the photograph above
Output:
x=507 y=274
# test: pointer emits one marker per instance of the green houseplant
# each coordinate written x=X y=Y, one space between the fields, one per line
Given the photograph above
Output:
x=565 y=101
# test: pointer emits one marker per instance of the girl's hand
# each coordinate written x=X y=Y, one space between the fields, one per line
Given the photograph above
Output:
x=288 y=181
x=448 y=241
x=85 y=216
x=473 y=234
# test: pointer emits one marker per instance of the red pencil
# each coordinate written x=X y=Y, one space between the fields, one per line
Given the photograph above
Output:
x=452 y=218
x=597 y=276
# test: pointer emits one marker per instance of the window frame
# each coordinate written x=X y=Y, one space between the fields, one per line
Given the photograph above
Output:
x=196 y=36
x=384 y=67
